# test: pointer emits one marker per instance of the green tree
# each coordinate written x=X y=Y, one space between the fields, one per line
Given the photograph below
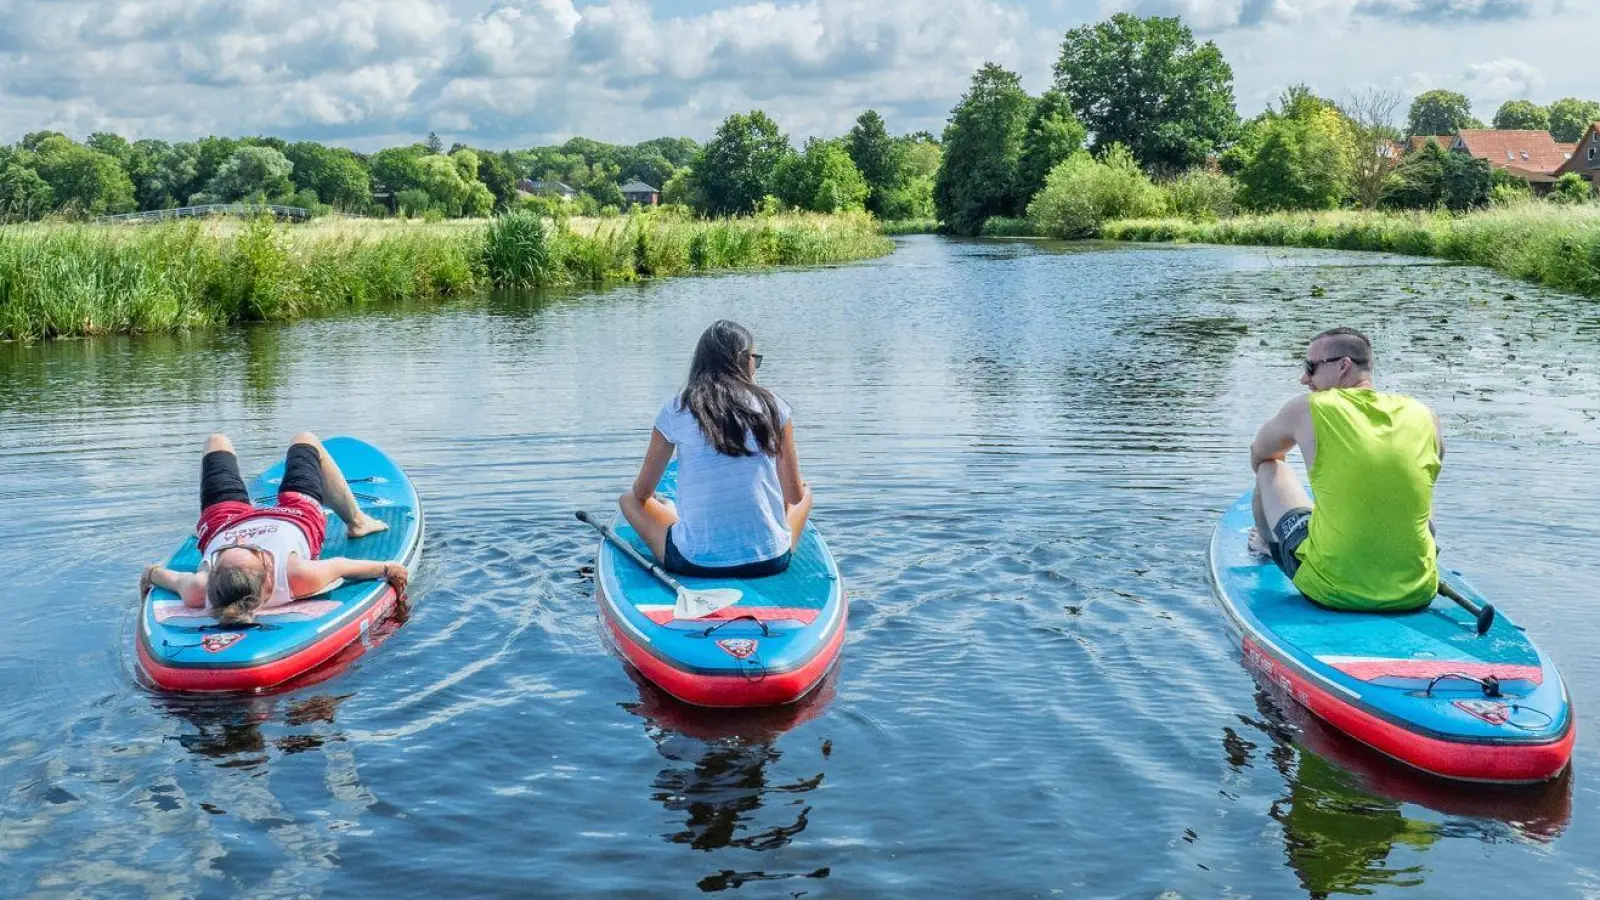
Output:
x=1144 y=83
x=1571 y=117
x=982 y=145
x=113 y=145
x=496 y=172
x=877 y=156
x=1053 y=135
x=252 y=173
x=1375 y=148
x=1522 y=115
x=23 y=194
x=334 y=174
x=735 y=169
x=920 y=154
x=210 y=155
x=822 y=178
x=164 y=175
x=81 y=179
x=1440 y=112
x=434 y=144
x=678 y=151
x=1434 y=177
x=1081 y=193
x=396 y=169
x=1571 y=188
x=1304 y=158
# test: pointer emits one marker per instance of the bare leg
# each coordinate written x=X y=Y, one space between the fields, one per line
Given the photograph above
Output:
x=651 y=519
x=1278 y=490
x=797 y=515
x=219 y=442
x=337 y=494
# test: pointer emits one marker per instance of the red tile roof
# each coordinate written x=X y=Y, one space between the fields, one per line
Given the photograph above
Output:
x=1534 y=151
x=1580 y=161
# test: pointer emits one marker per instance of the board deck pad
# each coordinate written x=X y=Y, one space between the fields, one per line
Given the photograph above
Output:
x=179 y=638
x=1405 y=668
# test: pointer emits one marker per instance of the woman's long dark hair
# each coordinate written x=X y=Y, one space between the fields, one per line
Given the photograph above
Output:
x=720 y=389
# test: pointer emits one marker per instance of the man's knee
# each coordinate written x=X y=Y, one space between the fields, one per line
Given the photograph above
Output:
x=305 y=437
x=219 y=441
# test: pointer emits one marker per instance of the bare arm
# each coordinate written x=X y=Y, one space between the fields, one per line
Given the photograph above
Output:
x=794 y=486
x=1277 y=437
x=655 y=465
x=189 y=586
x=310 y=576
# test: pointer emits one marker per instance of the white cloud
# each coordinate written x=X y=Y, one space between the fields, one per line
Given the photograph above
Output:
x=1503 y=79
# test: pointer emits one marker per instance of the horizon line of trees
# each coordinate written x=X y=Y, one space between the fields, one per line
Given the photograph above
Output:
x=1134 y=101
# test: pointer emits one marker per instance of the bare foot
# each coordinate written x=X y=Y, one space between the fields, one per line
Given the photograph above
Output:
x=1257 y=546
x=364 y=526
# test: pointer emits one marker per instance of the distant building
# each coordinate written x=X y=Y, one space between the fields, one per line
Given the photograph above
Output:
x=637 y=193
x=1418 y=141
x=547 y=188
x=1585 y=159
x=1533 y=156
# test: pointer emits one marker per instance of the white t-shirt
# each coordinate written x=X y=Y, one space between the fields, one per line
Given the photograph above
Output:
x=279 y=538
x=730 y=508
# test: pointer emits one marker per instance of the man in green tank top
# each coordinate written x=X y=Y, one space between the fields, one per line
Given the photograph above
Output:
x=1372 y=459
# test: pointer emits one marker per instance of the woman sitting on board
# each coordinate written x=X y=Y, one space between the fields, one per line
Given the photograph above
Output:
x=741 y=502
x=258 y=557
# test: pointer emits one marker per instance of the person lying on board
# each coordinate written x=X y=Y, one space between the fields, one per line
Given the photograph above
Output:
x=1372 y=458
x=741 y=501
x=258 y=557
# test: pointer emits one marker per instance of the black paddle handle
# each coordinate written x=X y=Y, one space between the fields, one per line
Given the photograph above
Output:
x=625 y=547
x=1484 y=614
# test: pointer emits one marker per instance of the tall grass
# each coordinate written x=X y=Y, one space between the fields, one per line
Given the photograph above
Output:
x=1553 y=245
x=75 y=279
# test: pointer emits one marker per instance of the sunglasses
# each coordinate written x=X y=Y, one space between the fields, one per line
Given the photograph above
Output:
x=757 y=358
x=1313 y=364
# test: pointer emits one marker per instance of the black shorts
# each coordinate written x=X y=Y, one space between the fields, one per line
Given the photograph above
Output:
x=677 y=565
x=220 y=479
x=1287 y=536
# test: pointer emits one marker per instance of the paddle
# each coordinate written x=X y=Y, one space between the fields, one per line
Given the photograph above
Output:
x=1484 y=613
x=691 y=604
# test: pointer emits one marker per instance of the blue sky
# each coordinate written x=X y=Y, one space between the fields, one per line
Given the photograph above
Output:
x=511 y=73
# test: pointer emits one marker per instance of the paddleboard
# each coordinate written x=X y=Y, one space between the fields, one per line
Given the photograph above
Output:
x=1422 y=687
x=182 y=649
x=772 y=647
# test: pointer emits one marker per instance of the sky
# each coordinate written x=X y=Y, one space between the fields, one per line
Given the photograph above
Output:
x=517 y=73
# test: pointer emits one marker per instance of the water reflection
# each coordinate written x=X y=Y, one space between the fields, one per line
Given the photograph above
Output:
x=717 y=776
x=1343 y=813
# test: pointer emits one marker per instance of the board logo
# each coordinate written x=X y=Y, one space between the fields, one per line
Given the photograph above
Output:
x=216 y=643
x=738 y=648
x=1488 y=710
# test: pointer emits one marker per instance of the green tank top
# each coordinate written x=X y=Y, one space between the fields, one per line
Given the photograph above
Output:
x=1369 y=547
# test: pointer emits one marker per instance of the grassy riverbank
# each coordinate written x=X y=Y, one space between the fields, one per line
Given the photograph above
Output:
x=62 y=280
x=1553 y=245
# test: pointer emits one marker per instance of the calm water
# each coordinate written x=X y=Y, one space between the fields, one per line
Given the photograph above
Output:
x=1018 y=451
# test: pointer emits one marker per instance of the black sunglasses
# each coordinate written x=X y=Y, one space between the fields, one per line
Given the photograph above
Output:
x=1312 y=364
x=757 y=358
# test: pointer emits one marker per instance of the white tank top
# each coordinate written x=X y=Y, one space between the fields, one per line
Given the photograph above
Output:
x=279 y=538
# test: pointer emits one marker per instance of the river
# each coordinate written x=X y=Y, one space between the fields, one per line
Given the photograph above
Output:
x=1018 y=449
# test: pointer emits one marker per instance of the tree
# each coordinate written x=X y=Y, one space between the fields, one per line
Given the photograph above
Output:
x=1081 y=193
x=735 y=169
x=1303 y=159
x=1370 y=118
x=113 y=145
x=1053 y=134
x=164 y=175
x=496 y=172
x=1434 y=177
x=434 y=144
x=396 y=169
x=1571 y=117
x=1439 y=113
x=1571 y=188
x=81 y=179
x=334 y=174
x=1523 y=115
x=1144 y=83
x=982 y=145
x=822 y=178
x=251 y=173
x=920 y=154
x=23 y=194
x=877 y=156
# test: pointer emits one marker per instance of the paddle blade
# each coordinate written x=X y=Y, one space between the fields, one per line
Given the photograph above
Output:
x=699 y=604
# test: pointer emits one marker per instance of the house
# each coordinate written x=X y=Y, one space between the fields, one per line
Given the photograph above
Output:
x=1585 y=159
x=547 y=188
x=637 y=193
x=1533 y=156
x=1418 y=141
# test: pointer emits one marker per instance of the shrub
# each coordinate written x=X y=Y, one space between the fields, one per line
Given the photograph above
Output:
x=1082 y=192
x=1201 y=196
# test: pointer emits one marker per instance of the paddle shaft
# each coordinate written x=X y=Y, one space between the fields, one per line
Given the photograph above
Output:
x=1484 y=614
x=625 y=547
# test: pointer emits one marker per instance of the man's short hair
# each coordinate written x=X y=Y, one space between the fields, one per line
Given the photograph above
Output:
x=1347 y=342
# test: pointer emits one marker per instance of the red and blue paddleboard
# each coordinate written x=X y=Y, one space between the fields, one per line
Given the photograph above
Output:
x=772 y=647
x=181 y=649
x=1422 y=687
